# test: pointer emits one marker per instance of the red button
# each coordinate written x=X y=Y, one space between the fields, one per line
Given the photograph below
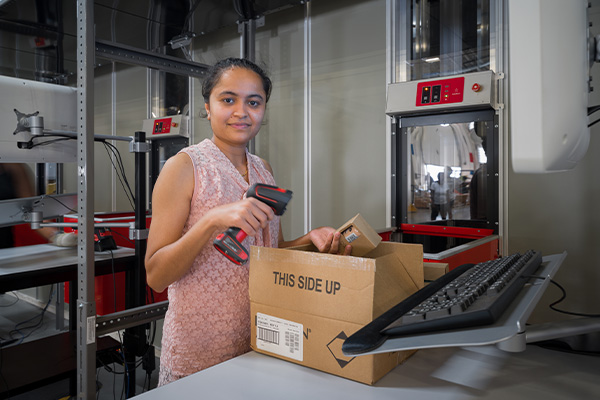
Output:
x=476 y=87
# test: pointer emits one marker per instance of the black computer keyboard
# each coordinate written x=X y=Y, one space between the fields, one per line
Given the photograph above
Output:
x=468 y=296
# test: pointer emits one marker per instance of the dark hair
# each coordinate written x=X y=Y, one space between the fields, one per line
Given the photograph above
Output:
x=215 y=72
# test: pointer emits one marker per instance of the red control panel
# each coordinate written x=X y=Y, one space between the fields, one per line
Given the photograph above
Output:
x=443 y=91
x=163 y=125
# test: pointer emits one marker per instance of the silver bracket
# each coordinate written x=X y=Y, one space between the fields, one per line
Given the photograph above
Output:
x=35 y=218
x=138 y=234
x=35 y=124
x=259 y=23
x=139 y=147
x=181 y=42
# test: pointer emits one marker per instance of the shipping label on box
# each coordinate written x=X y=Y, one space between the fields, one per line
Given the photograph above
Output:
x=279 y=336
x=322 y=345
x=321 y=299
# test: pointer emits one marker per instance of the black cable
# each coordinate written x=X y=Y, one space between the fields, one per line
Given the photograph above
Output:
x=30 y=144
x=137 y=363
x=106 y=367
x=123 y=174
x=153 y=323
x=112 y=370
x=36 y=326
x=593 y=123
x=47 y=196
x=112 y=266
x=120 y=171
x=236 y=7
x=115 y=151
x=111 y=149
x=244 y=9
x=122 y=236
x=186 y=23
x=592 y=110
x=564 y=295
x=125 y=366
x=13 y=303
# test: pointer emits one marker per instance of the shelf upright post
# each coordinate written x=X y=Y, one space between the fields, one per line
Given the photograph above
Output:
x=86 y=307
x=135 y=280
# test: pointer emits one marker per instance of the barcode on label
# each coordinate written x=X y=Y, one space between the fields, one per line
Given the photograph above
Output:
x=351 y=237
x=268 y=335
x=279 y=336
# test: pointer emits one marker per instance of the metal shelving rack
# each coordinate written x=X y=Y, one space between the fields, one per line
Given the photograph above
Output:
x=86 y=307
x=88 y=325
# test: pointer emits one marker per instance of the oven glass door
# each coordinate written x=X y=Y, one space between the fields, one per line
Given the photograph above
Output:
x=448 y=168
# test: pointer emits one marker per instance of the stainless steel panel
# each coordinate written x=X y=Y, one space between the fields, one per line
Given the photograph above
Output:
x=401 y=97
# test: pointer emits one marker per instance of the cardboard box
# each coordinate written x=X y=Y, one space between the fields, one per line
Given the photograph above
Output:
x=432 y=271
x=304 y=304
x=360 y=235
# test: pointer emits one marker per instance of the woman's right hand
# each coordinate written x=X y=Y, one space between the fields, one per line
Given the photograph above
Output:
x=249 y=214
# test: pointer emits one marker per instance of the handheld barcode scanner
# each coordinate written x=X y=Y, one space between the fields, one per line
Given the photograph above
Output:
x=230 y=242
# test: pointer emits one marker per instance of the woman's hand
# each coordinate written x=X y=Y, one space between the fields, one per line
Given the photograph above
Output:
x=327 y=240
x=250 y=215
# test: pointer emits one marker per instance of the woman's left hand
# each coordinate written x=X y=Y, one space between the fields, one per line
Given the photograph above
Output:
x=327 y=240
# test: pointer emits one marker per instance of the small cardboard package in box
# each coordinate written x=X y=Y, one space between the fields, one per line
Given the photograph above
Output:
x=360 y=235
x=304 y=304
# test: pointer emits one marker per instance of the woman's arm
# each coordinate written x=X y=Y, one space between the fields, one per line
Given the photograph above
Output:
x=170 y=253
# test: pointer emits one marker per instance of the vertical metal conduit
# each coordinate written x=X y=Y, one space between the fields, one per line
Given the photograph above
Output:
x=307 y=118
x=390 y=77
x=113 y=129
x=86 y=307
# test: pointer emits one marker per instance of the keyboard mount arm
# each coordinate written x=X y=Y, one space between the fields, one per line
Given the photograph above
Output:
x=509 y=333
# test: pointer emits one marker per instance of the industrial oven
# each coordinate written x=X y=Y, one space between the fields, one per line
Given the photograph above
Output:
x=445 y=129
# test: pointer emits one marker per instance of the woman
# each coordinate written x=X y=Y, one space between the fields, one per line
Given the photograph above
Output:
x=200 y=193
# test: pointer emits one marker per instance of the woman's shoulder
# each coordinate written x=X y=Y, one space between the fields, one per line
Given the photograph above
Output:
x=265 y=164
x=200 y=153
x=201 y=147
x=262 y=167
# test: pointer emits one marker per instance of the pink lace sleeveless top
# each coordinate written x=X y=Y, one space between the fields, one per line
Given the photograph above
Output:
x=208 y=320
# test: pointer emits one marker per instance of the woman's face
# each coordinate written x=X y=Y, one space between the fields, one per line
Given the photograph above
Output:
x=236 y=106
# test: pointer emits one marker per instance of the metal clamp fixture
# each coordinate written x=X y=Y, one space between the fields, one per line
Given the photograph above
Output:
x=137 y=234
x=33 y=217
x=139 y=147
